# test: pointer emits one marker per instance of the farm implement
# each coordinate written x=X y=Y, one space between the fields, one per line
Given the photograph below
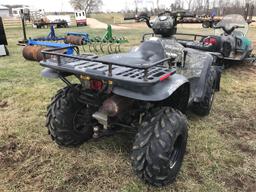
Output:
x=33 y=46
x=32 y=51
x=106 y=43
x=50 y=37
x=79 y=39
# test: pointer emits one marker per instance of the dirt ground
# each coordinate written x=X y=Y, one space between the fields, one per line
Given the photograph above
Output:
x=96 y=24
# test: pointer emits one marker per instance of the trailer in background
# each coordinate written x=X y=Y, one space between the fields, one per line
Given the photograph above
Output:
x=81 y=19
x=60 y=21
x=42 y=24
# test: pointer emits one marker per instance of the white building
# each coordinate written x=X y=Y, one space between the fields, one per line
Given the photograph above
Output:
x=4 y=11
x=16 y=11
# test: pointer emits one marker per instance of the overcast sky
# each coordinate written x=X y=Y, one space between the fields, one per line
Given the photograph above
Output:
x=63 y=5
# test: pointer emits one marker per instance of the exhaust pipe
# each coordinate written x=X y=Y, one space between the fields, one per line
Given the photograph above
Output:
x=116 y=105
x=112 y=107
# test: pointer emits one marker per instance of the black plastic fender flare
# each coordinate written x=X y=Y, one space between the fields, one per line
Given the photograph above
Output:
x=158 y=92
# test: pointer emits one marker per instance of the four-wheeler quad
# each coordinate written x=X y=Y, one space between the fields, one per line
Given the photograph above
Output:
x=229 y=41
x=148 y=88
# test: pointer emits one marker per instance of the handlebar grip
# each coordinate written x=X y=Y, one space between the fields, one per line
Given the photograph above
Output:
x=240 y=27
x=189 y=15
x=130 y=18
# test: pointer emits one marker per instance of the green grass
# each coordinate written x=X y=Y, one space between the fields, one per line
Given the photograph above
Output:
x=221 y=147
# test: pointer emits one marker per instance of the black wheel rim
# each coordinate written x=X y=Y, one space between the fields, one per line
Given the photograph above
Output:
x=82 y=121
x=176 y=153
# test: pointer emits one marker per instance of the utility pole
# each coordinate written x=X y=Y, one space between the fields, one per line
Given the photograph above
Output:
x=246 y=10
x=136 y=7
x=207 y=7
x=157 y=5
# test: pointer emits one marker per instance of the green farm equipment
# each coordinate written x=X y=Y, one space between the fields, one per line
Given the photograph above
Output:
x=107 y=42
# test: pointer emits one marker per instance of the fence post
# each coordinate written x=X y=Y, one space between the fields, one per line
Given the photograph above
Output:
x=3 y=40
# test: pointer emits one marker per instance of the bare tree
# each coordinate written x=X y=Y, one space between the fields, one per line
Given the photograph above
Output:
x=87 y=5
x=177 y=5
x=189 y=2
x=157 y=5
x=136 y=6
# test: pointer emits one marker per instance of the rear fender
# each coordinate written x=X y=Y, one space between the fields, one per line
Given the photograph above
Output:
x=199 y=85
x=158 y=92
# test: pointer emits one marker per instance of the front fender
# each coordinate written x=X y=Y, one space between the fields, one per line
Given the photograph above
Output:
x=158 y=92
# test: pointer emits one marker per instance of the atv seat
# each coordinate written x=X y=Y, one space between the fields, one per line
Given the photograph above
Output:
x=148 y=52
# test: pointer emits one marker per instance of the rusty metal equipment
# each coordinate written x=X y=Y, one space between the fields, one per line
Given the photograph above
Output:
x=107 y=42
x=32 y=51
x=83 y=38
x=75 y=40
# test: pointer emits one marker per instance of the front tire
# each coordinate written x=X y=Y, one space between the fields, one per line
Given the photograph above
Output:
x=160 y=146
x=69 y=121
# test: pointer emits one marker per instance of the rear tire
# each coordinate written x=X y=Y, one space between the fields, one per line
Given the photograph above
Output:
x=160 y=146
x=203 y=108
x=69 y=121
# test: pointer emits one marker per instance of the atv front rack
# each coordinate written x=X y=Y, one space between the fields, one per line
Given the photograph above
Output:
x=145 y=74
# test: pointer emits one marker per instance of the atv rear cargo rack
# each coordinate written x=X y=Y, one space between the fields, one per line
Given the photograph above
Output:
x=145 y=74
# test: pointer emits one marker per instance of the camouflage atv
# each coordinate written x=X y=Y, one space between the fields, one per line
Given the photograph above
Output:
x=147 y=89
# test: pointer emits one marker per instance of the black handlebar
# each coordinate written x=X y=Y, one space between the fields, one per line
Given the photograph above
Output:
x=174 y=14
x=229 y=31
x=130 y=18
x=189 y=15
x=177 y=14
x=143 y=18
